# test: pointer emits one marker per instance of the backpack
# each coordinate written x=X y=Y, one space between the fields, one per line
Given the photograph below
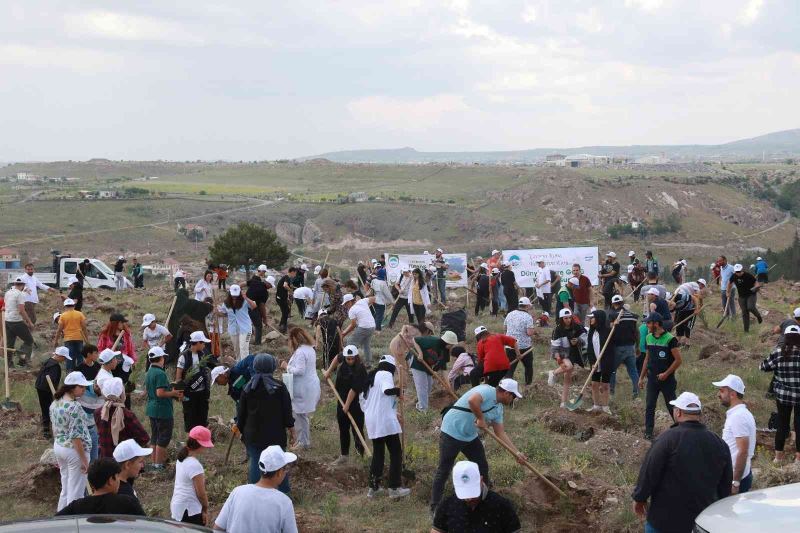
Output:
x=455 y=321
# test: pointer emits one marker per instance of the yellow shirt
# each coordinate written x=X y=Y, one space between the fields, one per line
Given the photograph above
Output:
x=72 y=324
x=416 y=295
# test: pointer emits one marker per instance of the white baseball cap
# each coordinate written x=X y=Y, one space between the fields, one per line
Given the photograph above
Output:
x=112 y=387
x=374 y=261
x=738 y=267
x=484 y=265
x=524 y=301
x=317 y=269
x=19 y=280
x=235 y=290
x=347 y=298
x=274 y=458
x=156 y=352
x=509 y=385
x=148 y=319
x=440 y=250
x=495 y=252
x=564 y=313
x=731 y=381
x=653 y=291
x=76 y=378
x=495 y=270
x=262 y=268
x=759 y=259
x=668 y=295
x=480 y=329
x=611 y=254
x=687 y=401
x=350 y=351
x=63 y=351
x=216 y=372
x=388 y=359
x=129 y=449
x=505 y=263
x=683 y=262
x=121 y=257
x=198 y=336
x=322 y=312
x=270 y=280
x=630 y=269
x=794 y=329
x=69 y=302
x=702 y=282
x=71 y=280
x=426 y=252
x=797 y=312
x=617 y=299
x=631 y=253
x=574 y=281
x=449 y=337
x=304 y=266
x=546 y=313
x=466 y=480
x=107 y=355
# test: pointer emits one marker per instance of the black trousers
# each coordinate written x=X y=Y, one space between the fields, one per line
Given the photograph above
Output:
x=493 y=378
x=379 y=447
x=512 y=300
x=419 y=312
x=285 y=307
x=180 y=283
x=195 y=412
x=449 y=448
x=192 y=519
x=748 y=306
x=402 y=303
x=527 y=362
x=221 y=283
x=258 y=325
x=346 y=428
x=138 y=282
x=301 y=307
x=784 y=414
x=19 y=330
x=482 y=301
x=45 y=399
x=655 y=387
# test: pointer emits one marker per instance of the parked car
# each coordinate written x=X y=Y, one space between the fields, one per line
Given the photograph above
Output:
x=99 y=524
x=99 y=275
x=772 y=509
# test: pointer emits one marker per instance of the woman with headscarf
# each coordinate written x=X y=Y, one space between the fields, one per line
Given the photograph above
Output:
x=566 y=344
x=115 y=422
x=379 y=403
x=264 y=415
x=419 y=300
x=383 y=296
x=784 y=361
x=335 y=308
x=305 y=383
x=598 y=333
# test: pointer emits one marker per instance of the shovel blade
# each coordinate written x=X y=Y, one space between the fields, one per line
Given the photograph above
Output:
x=573 y=406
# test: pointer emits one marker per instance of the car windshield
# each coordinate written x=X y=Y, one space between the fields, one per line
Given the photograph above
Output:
x=102 y=267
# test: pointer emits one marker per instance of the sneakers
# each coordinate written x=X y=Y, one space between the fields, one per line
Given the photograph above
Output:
x=400 y=492
x=592 y=409
x=551 y=378
x=563 y=405
x=372 y=493
x=606 y=409
x=342 y=459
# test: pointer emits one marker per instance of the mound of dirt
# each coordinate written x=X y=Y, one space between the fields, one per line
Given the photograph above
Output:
x=578 y=424
x=327 y=478
x=40 y=482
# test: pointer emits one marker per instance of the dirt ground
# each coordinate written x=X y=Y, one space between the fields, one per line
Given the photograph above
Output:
x=593 y=458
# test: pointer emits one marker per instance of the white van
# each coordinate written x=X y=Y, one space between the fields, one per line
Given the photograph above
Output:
x=98 y=276
x=776 y=509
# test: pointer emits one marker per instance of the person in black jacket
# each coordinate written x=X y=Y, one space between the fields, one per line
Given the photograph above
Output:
x=747 y=287
x=257 y=291
x=76 y=292
x=194 y=371
x=52 y=368
x=282 y=291
x=264 y=415
x=351 y=380
x=104 y=478
x=482 y=289
x=686 y=469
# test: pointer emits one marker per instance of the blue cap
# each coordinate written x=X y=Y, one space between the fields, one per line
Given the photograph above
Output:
x=655 y=317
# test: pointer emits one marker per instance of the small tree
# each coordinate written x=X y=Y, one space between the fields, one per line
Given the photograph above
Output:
x=245 y=243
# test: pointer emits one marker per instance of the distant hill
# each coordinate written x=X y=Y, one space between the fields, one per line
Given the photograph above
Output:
x=772 y=145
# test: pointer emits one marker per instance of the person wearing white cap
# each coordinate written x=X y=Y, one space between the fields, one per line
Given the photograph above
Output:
x=17 y=322
x=302 y=365
x=75 y=291
x=631 y=256
x=762 y=270
x=362 y=324
x=109 y=361
x=379 y=403
x=159 y=406
x=204 y=288
x=661 y=361
x=72 y=326
x=747 y=287
x=566 y=342
x=72 y=441
x=739 y=432
x=784 y=361
x=237 y=308
x=793 y=320
x=477 y=409
x=726 y=287
x=104 y=479
x=474 y=503
x=441 y=275
x=657 y=304
x=686 y=451
x=179 y=278
x=351 y=378
x=130 y=458
x=403 y=284
x=519 y=325
x=609 y=276
x=153 y=333
x=52 y=369
x=435 y=351
x=193 y=370
x=119 y=273
x=678 y=271
x=114 y=421
x=261 y=506
x=651 y=283
x=686 y=302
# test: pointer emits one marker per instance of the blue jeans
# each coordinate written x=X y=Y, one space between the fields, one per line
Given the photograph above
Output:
x=626 y=355
x=95 y=453
x=442 y=285
x=501 y=296
x=746 y=483
x=649 y=529
x=75 y=351
x=254 y=472
x=380 y=310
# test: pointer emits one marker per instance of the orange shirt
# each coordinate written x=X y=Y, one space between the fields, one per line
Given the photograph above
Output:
x=72 y=324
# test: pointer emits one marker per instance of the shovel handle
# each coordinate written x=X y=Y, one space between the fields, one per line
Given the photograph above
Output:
x=352 y=420
x=525 y=463
x=597 y=363
x=230 y=445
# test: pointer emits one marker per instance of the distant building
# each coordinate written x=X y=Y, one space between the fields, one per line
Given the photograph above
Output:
x=585 y=160
x=651 y=160
x=105 y=195
x=9 y=259
x=357 y=197
x=27 y=176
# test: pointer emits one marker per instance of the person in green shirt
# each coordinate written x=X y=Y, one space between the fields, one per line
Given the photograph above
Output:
x=565 y=294
x=159 y=405
x=436 y=352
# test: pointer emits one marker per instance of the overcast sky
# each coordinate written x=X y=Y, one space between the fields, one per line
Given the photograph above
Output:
x=255 y=79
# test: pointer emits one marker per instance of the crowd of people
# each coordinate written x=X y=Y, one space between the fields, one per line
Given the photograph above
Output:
x=100 y=443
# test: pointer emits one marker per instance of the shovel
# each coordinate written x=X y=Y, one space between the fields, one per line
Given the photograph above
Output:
x=352 y=420
x=574 y=405
x=7 y=404
x=724 y=313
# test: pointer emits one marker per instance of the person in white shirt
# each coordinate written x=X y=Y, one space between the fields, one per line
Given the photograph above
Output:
x=32 y=286
x=189 y=498
x=519 y=324
x=306 y=295
x=362 y=323
x=18 y=324
x=261 y=506
x=305 y=383
x=739 y=432
x=179 y=277
x=204 y=288
x=542 y=285
x=153 y=333
x=379 y=403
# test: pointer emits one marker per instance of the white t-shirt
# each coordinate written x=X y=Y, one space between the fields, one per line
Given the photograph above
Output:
x=14 y=299
x=33 y=285
x=543 y=276
x=155 y=337
x=252 y=508
x=203 y=290
x=303 y=293
x=380 y=414
x=361 y=314
x=739 y=422
x=184 y=498
x=182 y=360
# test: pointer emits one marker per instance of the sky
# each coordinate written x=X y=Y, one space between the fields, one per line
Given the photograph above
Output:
x=259 y=79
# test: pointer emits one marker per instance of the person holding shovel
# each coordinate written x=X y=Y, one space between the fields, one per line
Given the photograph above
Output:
x=362 y=323
x=193 y=370
x=159 y=406
x=747 y=287
x=662 y=359
x=519 y=324
x=435 y=351
x=351 y=380
x=402 y=285
x=567 y=341
x=477 y=409
x=492 y=356
x=17 y=323
x=44 y=387
x=598 y=333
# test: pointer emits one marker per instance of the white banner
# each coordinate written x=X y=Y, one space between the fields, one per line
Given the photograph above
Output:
x=456 y=275
x=523 y=263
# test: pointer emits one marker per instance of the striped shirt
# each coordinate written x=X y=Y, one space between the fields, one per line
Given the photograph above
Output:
x=787 y=375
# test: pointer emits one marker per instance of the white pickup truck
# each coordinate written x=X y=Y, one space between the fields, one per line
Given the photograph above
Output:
x=99 y=274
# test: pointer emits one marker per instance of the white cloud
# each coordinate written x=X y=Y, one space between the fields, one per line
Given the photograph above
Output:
x=65 y=57
x=529 y=14
x=750 y=13
x=128 y=27
x=645 y=5
x=589 y=21
x=402 y=114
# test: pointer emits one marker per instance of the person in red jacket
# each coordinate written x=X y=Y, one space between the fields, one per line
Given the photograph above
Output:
x=492 y=354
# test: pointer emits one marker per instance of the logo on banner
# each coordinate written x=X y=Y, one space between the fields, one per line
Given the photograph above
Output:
x=514 y=260
x=394 y=261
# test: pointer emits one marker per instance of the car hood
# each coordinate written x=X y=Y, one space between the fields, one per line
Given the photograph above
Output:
x=760 y=510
